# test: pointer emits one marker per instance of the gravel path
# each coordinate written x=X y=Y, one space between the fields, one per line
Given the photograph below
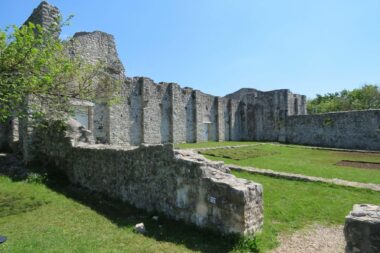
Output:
x=315 y=239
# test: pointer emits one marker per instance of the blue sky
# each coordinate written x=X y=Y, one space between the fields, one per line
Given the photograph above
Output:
x=219 y=46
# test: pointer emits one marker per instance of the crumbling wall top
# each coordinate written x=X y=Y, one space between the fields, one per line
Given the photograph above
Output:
x=47 y=16
x=97 y=46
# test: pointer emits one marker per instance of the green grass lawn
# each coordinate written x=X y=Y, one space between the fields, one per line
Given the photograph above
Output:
x=291 y=205
x=297 y=159
x=36 y=218
x=211 y=144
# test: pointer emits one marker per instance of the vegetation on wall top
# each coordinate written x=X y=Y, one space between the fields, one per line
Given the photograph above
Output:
x=366 y=97
x=38 y=78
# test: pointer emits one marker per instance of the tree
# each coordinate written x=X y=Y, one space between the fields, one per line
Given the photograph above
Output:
x=38 y=78
x=366 y=97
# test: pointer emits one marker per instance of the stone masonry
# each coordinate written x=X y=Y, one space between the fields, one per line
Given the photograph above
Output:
x=351 y=130
x=179 y=184
x=362 y=229
x=47 y=16
x=154 y=113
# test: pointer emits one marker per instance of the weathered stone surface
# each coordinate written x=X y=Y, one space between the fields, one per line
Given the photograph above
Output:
x=140 y=228
x=156 y=179
x=94 y=47
x=362 y=229
x=180 y=184
x=166 y=113
x=99 y=48
x=47 y=16
x=265 y=113
x=353 y=130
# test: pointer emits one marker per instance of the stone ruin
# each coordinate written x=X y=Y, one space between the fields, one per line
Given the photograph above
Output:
x=151 y=113
x=118 y=151
x=123 y=150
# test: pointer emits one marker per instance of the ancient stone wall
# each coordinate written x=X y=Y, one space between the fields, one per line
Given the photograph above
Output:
x=263 y=114
x=183 y=106
x=157 y=112
x=206 y=117
x=98 y=48
x=165 y=112
x=134 y=109
x=179 y=184
x=236 y=120
x=296 y=104
x=352 y=130
x=220 y=118
x=227 y=118
x=156 y=179
x=47 y=16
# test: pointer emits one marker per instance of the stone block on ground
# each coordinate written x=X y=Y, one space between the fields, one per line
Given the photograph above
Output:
x=362 y=229
x=140 y=228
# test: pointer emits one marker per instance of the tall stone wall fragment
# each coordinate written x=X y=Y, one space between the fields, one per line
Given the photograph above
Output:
x=183 y=114
x=220 y=119
x=46 y=15
x=99 y=48
x=157 y=112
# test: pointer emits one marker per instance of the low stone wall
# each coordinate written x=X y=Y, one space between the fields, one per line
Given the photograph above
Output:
x=180 y=184
x=156 y=178
x=352 y=130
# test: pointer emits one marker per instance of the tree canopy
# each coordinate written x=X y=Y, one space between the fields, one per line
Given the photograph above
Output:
x=366 y=97
x=35 y=66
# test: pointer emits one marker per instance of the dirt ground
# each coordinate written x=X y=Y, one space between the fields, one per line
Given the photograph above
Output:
x=359 y=164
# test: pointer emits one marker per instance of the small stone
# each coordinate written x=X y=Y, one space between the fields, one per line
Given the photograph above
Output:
x=140 y=228
x=155 y=218
x=2 y=239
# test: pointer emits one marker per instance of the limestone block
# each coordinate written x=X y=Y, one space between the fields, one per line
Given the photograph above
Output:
x=362 y=229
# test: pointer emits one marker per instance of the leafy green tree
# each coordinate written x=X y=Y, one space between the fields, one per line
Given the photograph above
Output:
x=366 y=97
x=39 y=79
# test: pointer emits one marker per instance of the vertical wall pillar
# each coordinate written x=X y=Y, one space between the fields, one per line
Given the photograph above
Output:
x=303 y=109
x=142 y=105
x=174 y=117
x=229 y=111
x=220 y=126
x=90 y=125
x=198 y=116
x=144 y=101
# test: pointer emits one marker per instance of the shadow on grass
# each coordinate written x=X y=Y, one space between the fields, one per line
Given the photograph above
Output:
x=12 y=167
x=126 y=216
x=120 y=213
x=13 y=204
